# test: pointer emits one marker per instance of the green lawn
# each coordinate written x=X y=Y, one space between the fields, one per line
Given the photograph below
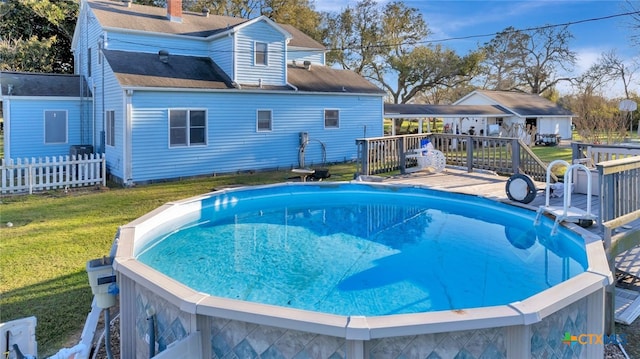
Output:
x=43 y=253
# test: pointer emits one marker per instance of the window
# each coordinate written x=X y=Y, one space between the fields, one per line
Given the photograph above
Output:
x=261 y=53
x=187 y=128
x=331 y=118
x=55 y=127
x=264 y=120
x=111 y=128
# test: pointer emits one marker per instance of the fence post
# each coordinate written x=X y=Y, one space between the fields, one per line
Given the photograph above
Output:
x=515 y=156
x=469 y=154
x=104 y=170
x=30 y=175
x=401 y=152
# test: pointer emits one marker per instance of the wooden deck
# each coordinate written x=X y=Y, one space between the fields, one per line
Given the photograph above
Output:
x=490 y=185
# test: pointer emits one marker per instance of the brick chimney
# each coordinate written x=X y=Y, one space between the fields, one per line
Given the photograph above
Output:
x=174 y=10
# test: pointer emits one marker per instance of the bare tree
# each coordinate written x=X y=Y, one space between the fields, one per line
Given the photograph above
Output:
x=615 y=69
x=634 y=24
x=529 y=60
x=501 y=63
x=597 y=118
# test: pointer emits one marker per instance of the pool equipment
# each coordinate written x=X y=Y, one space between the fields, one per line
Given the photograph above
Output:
x=520 y=188
x=566 y=212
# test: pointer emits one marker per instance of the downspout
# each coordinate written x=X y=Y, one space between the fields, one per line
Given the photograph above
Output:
x=128 y=181
x=93 y=117
x=103 y=133
x=6 y=103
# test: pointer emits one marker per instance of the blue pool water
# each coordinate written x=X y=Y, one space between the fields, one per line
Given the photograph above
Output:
x=353 y=249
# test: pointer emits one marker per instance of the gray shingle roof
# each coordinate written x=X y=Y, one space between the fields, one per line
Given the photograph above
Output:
x=39 y=84
x=525 y=104
x=326 y=79
x=419 y=110
x=137 y=69
x=147 y=70
x=114 y=14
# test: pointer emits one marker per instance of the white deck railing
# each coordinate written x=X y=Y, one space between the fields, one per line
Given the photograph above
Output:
x=38 y=174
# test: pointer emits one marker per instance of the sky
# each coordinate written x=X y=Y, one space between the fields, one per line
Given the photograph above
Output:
x=448 y=20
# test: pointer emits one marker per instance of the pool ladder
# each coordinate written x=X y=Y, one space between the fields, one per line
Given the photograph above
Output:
x=566 y=212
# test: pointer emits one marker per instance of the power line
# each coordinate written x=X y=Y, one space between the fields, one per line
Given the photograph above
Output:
x=535 y=27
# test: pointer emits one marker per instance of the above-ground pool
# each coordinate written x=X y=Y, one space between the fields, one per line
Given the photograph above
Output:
x=359 y=250
x=356 y=264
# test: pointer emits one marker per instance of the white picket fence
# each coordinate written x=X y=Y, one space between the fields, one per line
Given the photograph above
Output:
x=39 y=174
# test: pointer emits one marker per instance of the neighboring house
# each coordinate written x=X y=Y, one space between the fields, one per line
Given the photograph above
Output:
x=179 y=94
x=526 y=111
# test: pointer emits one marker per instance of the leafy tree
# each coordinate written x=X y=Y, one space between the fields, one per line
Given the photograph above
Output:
x=36 y=35
x=529 y=61
x=300 y=14
x=354 y=36
x=384 y=45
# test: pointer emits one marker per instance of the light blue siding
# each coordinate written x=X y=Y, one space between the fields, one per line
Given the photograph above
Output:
x=221 y=51
x=113 y=101
x=301 y=55
x=233 y=142
x=247 y=71
x=26 y=127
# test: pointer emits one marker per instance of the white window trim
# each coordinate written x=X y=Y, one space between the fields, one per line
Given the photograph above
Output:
x=188 y=144
x=324 y=118
x=66 y=127
x=255 y=53
x=270 y=119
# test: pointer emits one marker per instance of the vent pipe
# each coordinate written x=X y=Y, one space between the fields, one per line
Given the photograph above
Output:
x=163 y=56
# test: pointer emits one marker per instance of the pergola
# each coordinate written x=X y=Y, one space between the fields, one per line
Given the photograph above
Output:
x=422 y=112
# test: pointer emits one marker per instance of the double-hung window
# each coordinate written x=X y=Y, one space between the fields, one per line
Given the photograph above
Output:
x=264 y=122
x=110 y=130
x=55 y=126
x=331 y=118
x=187 y=128
x=261 y=53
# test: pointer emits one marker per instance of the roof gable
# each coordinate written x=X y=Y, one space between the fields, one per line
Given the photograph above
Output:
x=40 y=84
x=522 y=104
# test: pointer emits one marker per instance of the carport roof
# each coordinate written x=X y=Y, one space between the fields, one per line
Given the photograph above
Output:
x=422 y=111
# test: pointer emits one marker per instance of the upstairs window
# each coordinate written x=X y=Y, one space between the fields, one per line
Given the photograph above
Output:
x=261 y=53
x=110 y=130
x=187 y=128
x=55 y=127
x=331 y=118
x=264 y=120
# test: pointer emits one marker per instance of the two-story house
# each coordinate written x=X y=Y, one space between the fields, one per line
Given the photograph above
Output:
x=170 y=94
